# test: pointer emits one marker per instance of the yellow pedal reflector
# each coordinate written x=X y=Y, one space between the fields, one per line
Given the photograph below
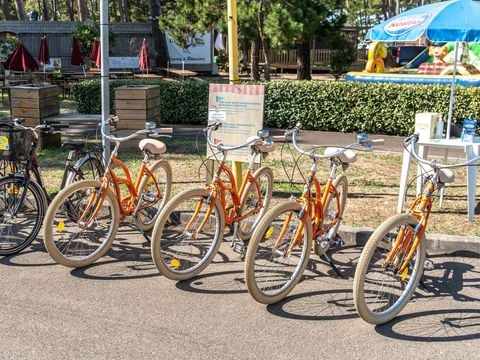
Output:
x=404 y=274
x=61 y=226
x=269 y=232
x=175 y=263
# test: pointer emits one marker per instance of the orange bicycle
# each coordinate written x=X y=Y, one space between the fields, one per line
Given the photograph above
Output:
x=392 y=261
x=280 y=246
x=190 y=229
x=82 y=220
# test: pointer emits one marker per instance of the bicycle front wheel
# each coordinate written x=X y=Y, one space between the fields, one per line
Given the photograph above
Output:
x=380 y=292
x=332 y=217
x=255 y=201
x=153 y=194
x=278 y=252
x=187 y=234
x=81 y=223
x=22 y=208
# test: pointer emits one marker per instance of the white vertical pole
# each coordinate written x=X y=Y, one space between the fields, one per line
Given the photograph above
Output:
x=452 y=92
x=104 y=74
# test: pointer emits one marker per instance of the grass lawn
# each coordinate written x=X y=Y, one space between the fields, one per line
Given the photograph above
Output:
x=373 y=181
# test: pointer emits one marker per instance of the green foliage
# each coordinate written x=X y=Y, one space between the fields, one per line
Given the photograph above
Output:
x=85 y=35
x=343 y=54
x=181 y=102
x=319 y=105
x=7 y=44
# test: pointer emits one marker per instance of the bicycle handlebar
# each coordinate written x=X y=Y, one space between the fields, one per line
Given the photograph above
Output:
x=254 y=140
x=362 y=140
x=149 y=130
x=16 y=123
x=412 y=141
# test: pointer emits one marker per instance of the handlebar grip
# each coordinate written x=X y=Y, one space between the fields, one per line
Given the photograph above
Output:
x=60 y=126
x=165 y=130
x=214 y=125
x=409 y=139
x=279 y=138
x=378 y=141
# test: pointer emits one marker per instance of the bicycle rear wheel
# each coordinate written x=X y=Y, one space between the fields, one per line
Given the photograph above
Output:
x=153 y=194
x=73 y=236
x=22 y=209
x=254 y=198
x=187 y=234
x=273 y=263
x=334 y=208
x=379 y=291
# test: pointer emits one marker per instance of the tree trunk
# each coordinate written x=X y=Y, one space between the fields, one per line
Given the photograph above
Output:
x=255 y=71
x=54 y=10
x=126 y=10
x=22 y=15
x=159 y=42
x=6 y=10
x=82 y=10
x=261 y=31
x=303 y=61
x=70 y=13
x=45 y=11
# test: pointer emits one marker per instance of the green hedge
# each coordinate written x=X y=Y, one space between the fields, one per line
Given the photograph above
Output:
x=322 y=105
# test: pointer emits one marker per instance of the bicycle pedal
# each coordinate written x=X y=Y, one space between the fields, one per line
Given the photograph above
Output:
x=337 y=242
x=428 y=265
x=239 y=248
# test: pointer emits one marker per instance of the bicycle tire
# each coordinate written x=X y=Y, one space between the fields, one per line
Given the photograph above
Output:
x=20 y=223
x=89 y=167
x=174 y=254
x=86 y=243
x=270 y=285
x=150 y=203
x=333 y=215
x=400 y=287
x=250 y=199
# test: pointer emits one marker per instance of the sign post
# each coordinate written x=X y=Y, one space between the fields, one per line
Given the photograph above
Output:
x=233 y=65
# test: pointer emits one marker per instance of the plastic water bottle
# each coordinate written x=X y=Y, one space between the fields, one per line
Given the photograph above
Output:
x=439 y=128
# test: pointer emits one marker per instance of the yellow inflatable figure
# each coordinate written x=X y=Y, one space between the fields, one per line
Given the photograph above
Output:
x=377 y=51
x=438 y=53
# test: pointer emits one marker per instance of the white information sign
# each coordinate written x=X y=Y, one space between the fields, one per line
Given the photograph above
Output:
x=240 y=109
x=198 y=54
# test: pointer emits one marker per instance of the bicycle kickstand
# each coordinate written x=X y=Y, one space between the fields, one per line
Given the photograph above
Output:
x=333 y=266
x=238 y=245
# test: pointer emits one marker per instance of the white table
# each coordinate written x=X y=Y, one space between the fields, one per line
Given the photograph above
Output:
x=471 y=150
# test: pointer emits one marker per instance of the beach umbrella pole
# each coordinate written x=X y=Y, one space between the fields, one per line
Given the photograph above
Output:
x=452 y=91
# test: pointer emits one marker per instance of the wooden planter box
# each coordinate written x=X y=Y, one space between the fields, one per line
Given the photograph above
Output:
x=135 y=105
x=34 y=102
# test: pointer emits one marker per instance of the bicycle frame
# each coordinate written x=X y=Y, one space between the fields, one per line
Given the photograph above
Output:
x=129 y=204
x=314 y=206
x=420 y=209
x=218 y=190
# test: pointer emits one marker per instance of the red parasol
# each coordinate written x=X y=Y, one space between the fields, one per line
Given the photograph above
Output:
x=76 y=57
x=98 y=59
x=144 y=59
x=43 y=54
x=95 y=51
x=21 y=60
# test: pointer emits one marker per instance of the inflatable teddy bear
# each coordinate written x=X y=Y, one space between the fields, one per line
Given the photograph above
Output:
x=438 y=53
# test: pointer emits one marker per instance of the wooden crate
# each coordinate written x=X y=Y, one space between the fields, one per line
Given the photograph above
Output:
x=34 y=102
x=135 y=105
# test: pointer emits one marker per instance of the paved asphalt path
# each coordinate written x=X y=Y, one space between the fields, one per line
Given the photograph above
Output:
x=121 y=308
